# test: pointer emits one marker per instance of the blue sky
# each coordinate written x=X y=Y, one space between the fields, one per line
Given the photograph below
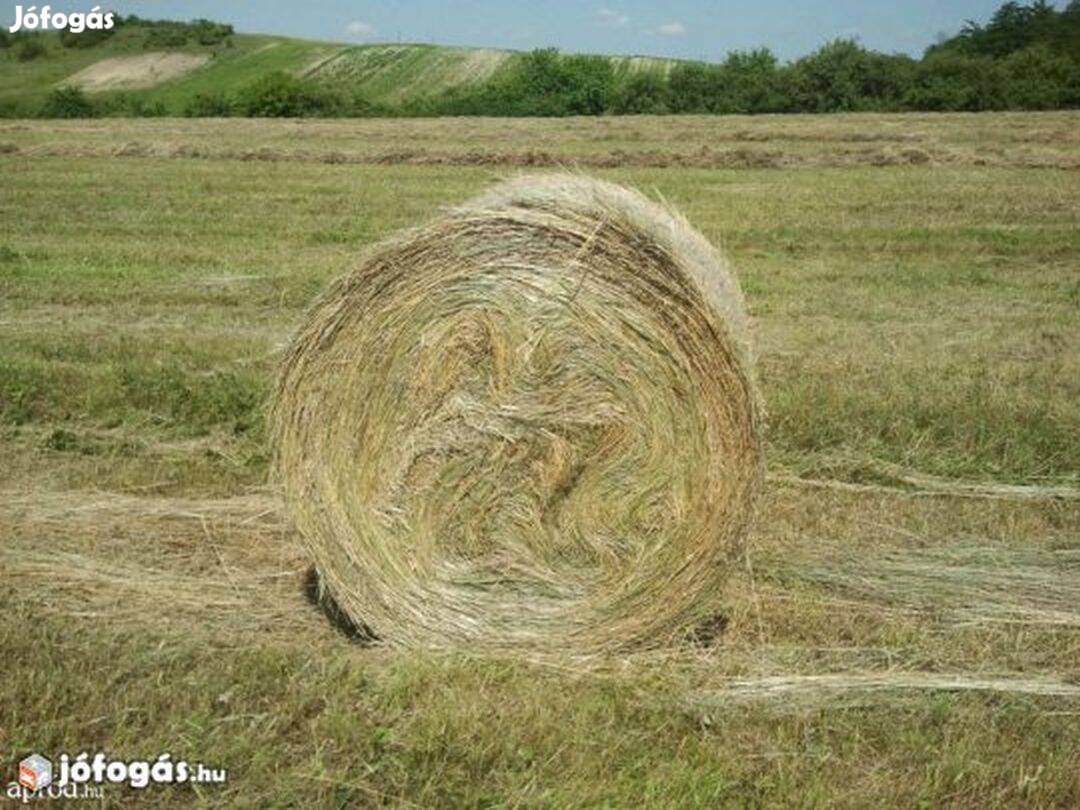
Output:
x=700 y=29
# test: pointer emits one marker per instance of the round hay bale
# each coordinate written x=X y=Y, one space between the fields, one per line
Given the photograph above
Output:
x=531 y=424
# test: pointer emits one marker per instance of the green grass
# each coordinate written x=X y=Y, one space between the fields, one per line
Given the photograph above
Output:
x=232 y=69
x=399 y=72
x=913 y=318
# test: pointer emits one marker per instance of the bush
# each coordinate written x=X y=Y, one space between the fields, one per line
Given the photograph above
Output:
x=645 y=92
x=206 y=32
x=279 y=95
x=1036 y=78
x=209 y=105
x=589 y=84
x=87 y=38
x=361 y=106
x=127 y=104
x=753 y=82
x=174 y=34
x=692 y=87
x=843 y=76
x=952 y=81
x=541 y=82
x=29 y=48
x=67 y=102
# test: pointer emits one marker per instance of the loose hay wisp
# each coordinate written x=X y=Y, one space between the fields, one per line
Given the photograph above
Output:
x=528 y=424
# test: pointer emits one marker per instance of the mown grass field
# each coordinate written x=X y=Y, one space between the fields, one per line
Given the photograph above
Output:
x=914 y=283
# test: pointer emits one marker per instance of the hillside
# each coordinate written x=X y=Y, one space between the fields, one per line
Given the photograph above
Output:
x=148 y=77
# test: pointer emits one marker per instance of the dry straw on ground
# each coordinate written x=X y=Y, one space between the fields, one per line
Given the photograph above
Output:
x=530 y=424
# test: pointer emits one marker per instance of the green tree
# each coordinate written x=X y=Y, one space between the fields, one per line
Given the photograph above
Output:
x=751 y=82
x=956 y=81
x=693 y=87
x=1037 y=78
x=590 y=84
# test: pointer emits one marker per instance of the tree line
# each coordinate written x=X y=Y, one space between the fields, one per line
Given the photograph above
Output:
x=1026 y=57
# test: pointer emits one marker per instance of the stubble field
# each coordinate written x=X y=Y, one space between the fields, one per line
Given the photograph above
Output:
x=904 y=629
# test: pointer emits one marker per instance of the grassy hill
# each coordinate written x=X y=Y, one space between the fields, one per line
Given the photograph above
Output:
x=381 y=74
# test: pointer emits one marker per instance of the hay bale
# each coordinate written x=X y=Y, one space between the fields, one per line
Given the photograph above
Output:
x=528 y=424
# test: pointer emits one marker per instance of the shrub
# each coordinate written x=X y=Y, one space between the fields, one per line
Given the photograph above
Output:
x=206 y=32
x=589 y=84
x=67 y=102
x=87 y=38
x=843 y=76
x=125 y=104
x=209 y=105
x=172 y=35
x=753 y=83
x=361 y=106
x=541 y=82
x=175 y=34
x=29 y=48
x=1036 y=78
x=279 y=95
x=644 y=92
x=952 y=81
x=692 y=87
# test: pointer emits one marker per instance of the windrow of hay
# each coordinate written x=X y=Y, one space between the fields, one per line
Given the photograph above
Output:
x=841 y=686
x=530 y=424
x=968 y=584
x=224 y=571
x=703 y=157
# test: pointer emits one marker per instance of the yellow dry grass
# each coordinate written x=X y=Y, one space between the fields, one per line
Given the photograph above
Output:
x=131 y=72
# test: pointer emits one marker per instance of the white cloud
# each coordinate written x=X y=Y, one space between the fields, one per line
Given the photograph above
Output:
x=672 y=29
x=609 y=18
x=360 y=29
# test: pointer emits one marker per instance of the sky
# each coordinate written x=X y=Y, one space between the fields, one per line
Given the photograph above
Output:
x=695 y=29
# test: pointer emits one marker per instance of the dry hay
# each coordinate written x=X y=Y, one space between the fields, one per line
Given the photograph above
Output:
x=703 y=157
x=843 y=686
x=530 y=424
x=967 y=584
x=223 y=571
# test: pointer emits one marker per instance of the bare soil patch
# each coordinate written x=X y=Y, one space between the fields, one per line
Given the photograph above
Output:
x=144 y=70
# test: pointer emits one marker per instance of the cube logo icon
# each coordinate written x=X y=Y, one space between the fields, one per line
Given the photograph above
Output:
x=35 y=772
